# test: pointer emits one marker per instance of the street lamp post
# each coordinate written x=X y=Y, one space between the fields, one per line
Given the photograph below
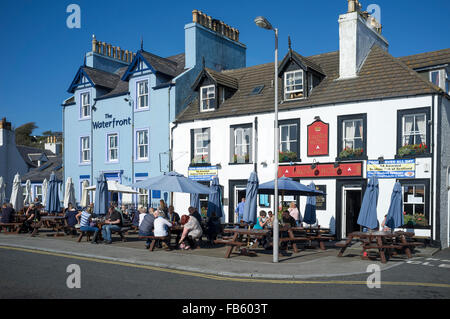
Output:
x=265 y=24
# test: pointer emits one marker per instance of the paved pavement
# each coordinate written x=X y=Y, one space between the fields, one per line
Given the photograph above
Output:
x=310 y=263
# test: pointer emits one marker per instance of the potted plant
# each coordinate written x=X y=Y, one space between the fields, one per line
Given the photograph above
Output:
x=415 y=220
x=412 y=149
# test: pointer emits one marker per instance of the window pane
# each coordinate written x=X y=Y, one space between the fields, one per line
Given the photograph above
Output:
x=284 y=132
x=293 y=133
x=408 y=190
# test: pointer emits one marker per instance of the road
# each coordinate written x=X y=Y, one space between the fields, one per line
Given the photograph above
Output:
x=34 y=274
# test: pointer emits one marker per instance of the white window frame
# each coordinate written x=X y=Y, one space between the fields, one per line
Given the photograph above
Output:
x=208 y=98
x=205 y=149
x=140 y=96
x=142 y=192
x=36 y=193
x=242 y=145
x=414 y=185
x=109 y=149
x=287 y=88
x=353 y=138
x=83 y=150
x=138 y=145
x=406 y=135
x=83 y=107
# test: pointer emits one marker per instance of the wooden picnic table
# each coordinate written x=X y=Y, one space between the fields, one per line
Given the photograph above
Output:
x=306 y=235
x=57 y=223
x=385 y=242
x=240 y=238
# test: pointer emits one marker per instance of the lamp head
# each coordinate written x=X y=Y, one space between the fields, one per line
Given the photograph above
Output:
x=263 y=23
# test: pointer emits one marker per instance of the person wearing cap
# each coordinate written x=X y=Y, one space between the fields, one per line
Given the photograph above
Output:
x=32 y=215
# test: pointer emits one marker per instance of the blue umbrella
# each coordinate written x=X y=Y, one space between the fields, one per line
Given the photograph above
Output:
x=394 y=217
x=368 y=213
x=101 y=196
x=251 y=195
x=215 y=199
x=195 y=202
x=173 y=182
x=287 y=186
x=53 y=205
x=310 y=209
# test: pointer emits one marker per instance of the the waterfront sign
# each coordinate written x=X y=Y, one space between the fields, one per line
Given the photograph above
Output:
x=112 y=123
x=399 y=168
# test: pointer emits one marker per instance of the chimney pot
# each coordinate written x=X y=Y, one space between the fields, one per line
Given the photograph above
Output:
x=109 y=49
x=195 y=16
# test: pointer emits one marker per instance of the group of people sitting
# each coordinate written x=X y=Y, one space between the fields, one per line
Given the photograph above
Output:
x=32 y=214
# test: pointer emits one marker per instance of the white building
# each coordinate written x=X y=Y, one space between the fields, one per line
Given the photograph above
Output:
x=342 y=116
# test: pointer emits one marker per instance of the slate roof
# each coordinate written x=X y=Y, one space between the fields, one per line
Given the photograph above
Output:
x=25 y=151
x=170 y=66
x=102 y=78
x=37 y=175
x=427 y=59
x=382 y=76
x=220 y=78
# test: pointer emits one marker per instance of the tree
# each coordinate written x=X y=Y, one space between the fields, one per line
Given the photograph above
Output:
x=24 y=134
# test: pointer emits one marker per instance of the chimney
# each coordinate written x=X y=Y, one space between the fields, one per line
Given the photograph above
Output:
x=358 y=33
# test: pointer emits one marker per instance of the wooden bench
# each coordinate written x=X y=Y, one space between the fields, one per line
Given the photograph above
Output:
x=84 y=233
x=231 y=243
x=121 y=232
x=8 y=226
x=155 y=239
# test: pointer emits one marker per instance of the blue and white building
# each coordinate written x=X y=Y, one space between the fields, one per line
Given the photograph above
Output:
x=117 y=121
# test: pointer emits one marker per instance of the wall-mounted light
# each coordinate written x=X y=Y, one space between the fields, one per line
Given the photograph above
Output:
x=219 y=165
x=317 y=118
x=337 y=164
x=381 y=159
x=264 y=164
x=314 y=164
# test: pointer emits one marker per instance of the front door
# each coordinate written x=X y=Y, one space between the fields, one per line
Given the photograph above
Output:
x=351 y=206
x=237 y=190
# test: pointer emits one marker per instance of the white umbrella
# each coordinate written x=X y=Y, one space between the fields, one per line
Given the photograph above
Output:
x=69 y=193
x=114 y=186
x=84 y=194
x=44 y=192
x=27 y=200
x=2 y=190
x=16 y=194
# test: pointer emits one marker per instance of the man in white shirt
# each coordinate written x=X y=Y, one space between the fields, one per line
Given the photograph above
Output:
x=160 y=228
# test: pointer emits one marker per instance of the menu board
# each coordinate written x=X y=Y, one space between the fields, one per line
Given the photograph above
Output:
x=318 y=138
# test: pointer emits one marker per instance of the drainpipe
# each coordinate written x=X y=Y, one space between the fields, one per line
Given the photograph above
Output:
x=448 y=205
x=170 y=137
x=93 y=109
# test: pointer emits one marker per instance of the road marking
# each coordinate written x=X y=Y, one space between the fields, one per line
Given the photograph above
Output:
x=222 y=278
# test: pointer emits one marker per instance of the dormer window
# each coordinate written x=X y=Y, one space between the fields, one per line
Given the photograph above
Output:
x=85 y=105
x=207 y=98
x=293 y=85
x=142 y=94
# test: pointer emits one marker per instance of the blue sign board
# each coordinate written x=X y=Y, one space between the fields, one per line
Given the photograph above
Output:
x=204 y=173
x=398 y=168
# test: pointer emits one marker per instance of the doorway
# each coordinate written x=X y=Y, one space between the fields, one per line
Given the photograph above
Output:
x=350 y=211
x=237 y=190
x=349 y=195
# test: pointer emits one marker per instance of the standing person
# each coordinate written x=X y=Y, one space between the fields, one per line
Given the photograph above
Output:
x=146 y=227
x=113 y=222
x=194 y=212
x=160 y=228
x=163 y=207
x=191 y=232
x=240 y=210
x=70 y=216
x=7 y=213
x=84 y=219
x=293 y=211
x=173 y=217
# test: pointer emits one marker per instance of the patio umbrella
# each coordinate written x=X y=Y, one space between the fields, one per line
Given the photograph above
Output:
x=173 y=182
x=368 y=213
x=69 y=193
x=101 y=196
x=394 y=217
x=53 y=205
x=44 y=192
x=84 y=194
x=195 y=202
x=310 y=209
x=251 y=195
x=287 y=186
x=114 y=187
x=2 y=190
x=27 y=200
x=215 y=199
x=17 y=194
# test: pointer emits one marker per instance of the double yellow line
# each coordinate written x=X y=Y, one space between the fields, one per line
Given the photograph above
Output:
x=224 y=278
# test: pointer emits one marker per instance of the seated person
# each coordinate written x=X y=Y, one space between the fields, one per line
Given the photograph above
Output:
x=213 y=227
x=84 y=219
x=288 y=219
x=7 y=213
x=194 y=212
x=191 y=231
x=160 y=227
x=172 y=216
x=146 y=227
x=32 y=215
x=70 y=216
x=142 y=213
x=270 y=219
x=113 y=222
x=262 y=220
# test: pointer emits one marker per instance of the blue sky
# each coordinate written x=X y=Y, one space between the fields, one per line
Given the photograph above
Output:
x=40 y=55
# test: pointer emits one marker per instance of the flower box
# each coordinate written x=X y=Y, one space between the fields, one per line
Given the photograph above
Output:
x=351 y=153
x=413 y=149
x=287 y=156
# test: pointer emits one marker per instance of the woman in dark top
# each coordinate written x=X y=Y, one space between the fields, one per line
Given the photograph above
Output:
x=71 y=218
x=33 y=215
